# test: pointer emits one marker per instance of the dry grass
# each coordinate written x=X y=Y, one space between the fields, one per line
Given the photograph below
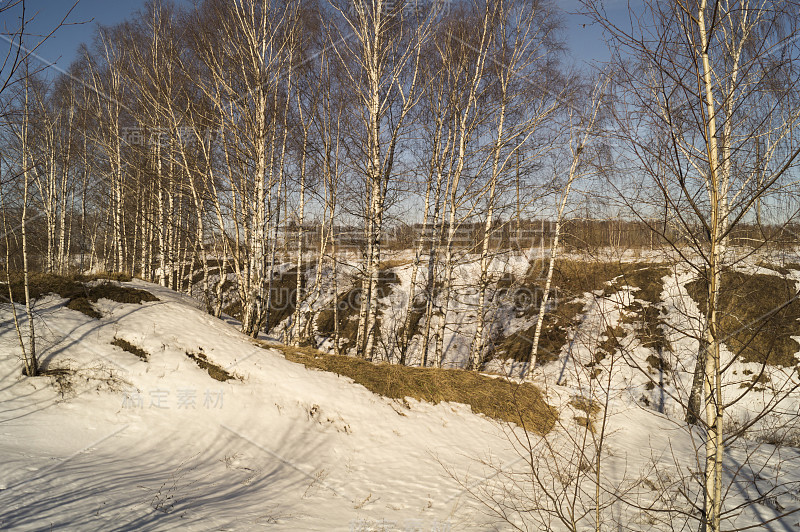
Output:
x=589 y=406
x=130 y=348
x=81 y=304
x=758 y=316
x=607 y=347
x=585 y=422
x=498 y=398
x=75 y=286
x=648 y=278
x=214 y=371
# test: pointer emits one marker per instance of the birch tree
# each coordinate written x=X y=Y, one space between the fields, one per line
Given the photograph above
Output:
x=710 y=84
x=463 y=53
x=18 y=121
x=582 y=129
x=528 y=91
x=379 y=45
x=107 y=85
x=249 y=79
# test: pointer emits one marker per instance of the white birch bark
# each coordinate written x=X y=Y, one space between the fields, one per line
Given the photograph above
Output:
x=574 y=173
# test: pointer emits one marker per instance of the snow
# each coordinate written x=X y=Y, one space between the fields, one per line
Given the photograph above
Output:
x=158 y=445
x=164 y=445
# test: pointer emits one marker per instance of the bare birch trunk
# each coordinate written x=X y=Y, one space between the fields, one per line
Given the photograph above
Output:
x=31 y=362
x=573 y=174
x=712 y=499
x=299 y=298
x=479 y=342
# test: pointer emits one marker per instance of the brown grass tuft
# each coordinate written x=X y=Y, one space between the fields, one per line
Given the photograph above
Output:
x=81 y=304
x=214 y=371
x=498 y=398
x=589 y=406
x=586 y=422
x=130 y=348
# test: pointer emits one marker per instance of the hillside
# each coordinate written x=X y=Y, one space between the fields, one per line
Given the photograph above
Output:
x=203 y=429
x=122 y=443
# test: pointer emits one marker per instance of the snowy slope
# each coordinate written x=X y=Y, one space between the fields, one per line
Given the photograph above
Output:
x=158 y=445
x=164 y=445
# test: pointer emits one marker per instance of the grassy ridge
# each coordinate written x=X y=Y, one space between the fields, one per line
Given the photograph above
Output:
x=76 y=289
x=497 y=398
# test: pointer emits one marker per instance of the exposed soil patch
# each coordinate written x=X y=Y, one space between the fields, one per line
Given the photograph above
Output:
x=555 y=327
x=214 y=371
x=643 y=313
x=283 y=298
x=607 y=347
x=571 y=279
x=658 y=364
x=758 y=316
x=574 y=277
x=349 y=305
x=66 y=286
x=130 y=348
x=75 y=287
x=417 y=313
x=40 y=284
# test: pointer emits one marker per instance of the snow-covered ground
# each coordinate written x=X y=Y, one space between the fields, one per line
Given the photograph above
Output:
x=127 y=444
x=160 y=444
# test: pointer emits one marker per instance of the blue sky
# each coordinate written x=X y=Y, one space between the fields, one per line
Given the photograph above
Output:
x=79 y=27
x=585 y=42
